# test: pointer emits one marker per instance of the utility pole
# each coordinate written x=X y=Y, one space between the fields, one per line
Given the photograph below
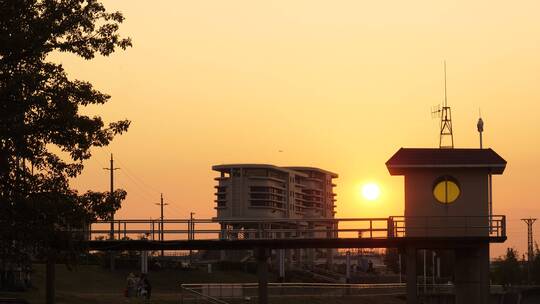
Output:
x=425 y=271
x=161 y=238
x=530 y=252
x=111 y=198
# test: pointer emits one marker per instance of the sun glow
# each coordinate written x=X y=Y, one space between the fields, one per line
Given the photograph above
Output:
x=371 y=191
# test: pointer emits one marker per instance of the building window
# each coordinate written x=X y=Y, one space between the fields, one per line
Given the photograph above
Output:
x=266 y=190
x=277 y=174
x=446 y=190
x=256 y=172
x=266 y=196
x=258 y=189
x=259 y=203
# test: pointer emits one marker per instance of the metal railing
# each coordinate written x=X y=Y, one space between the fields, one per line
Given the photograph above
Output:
x=238 y=229
x=492 y=226
x=225 y=292
x=188 y=293
x=221 y=292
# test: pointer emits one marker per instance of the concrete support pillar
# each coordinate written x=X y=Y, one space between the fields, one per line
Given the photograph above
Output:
x=412 y=291
x=433 y=259
x=288 y=258
x=330 y=251
x=310 y=257
x=348 y=265
x=298 y=254
x=262 y=274
x=112 y=260
x=310 y=251
x=438 y=267
x=281 y=261
x=424 y=269
x=223 y=236
x=472 y=275
x=144 y=261
x=399 y=267
x=222 y=255
x=330 y=258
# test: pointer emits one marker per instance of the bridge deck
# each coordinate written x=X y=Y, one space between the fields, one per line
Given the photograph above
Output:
x=208 y=234
x=402 y=242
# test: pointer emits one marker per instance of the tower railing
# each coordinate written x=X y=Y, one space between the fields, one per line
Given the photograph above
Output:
x=425 y=226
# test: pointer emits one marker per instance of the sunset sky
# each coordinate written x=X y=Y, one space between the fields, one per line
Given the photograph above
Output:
x=339 y=85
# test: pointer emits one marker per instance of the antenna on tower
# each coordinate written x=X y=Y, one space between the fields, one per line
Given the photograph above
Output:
x=446 y=137
x=480 y=126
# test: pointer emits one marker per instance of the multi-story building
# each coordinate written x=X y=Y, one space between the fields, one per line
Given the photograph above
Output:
x=259 y=191
x=298 y=201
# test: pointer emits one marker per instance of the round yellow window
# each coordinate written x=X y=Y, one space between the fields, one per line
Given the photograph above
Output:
x=446 y=190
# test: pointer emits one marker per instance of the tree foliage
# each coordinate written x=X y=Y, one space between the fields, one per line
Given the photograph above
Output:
x=44 y=139
x=535 y=266
x=507 y=269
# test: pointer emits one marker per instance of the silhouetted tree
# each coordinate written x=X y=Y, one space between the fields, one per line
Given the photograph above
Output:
x=43 y=137
x=507 y=269
x=535 y=266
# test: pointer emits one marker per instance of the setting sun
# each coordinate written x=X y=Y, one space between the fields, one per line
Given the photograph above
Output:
x=371 y=191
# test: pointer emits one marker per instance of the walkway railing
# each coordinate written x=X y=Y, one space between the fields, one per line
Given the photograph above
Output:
x=229 y=291
x=189 y=294
x=238 y=229
x=279 y=290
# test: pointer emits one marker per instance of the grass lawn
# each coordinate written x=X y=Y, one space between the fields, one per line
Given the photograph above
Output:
x=94 y=284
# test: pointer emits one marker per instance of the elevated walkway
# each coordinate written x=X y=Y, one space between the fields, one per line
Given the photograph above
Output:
x=213 y=234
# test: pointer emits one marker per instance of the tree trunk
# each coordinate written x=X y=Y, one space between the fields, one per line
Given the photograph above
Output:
x=50 y=278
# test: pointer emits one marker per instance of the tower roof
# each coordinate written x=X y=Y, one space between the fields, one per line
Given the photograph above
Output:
x=415 y=158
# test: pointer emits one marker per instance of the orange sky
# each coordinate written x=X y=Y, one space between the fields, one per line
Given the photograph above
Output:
x=339 y=85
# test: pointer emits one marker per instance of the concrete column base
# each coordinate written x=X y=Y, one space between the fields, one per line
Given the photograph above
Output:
x=262 y=274
x=472 y=275
x=412 y=290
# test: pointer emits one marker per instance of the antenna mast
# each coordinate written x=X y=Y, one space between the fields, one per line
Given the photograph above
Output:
x=480 y=127
x=446 y=120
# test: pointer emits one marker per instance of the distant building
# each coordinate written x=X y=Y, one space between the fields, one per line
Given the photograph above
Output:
x=253 y=191
x=286 y=197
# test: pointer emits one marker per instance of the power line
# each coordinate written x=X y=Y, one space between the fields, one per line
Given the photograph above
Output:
x=146 y=190
x=138 y=179
x=147 y=195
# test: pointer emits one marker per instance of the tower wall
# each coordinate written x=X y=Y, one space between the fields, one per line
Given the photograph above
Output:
x=438 y=219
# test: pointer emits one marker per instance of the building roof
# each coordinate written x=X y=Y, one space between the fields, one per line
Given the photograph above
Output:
x=413 y=158
x=227 y=167
x=295 y=170
x=230 y=166
x=332 y=174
